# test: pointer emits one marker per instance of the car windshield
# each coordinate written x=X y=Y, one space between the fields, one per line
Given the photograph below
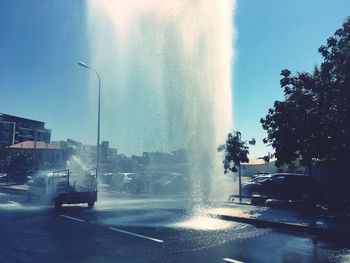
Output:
x=261 y=178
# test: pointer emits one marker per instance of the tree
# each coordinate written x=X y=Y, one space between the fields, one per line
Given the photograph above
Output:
x=313 y=120
x=236 y=151
x=293 y=167
x=4 y=159
x=333 y=90
x=21 y=165
x=291 y=124
x=266 y=158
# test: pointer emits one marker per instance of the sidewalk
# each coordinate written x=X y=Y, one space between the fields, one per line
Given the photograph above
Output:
x=286 y=219
x=22 y=188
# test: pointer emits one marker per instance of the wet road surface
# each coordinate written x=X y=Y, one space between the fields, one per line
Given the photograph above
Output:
x=146 y=230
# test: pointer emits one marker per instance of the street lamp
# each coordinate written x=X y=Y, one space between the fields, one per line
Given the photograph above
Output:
x=239 y=171
x=84 y=65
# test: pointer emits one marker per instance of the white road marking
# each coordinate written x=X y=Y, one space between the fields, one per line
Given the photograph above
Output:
x=119 y=230
x=232 y=260
x=73 y=218
x=136 y=235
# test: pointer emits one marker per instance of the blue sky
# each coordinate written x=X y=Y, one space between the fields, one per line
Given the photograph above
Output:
x=42 y=41
x=274 y=35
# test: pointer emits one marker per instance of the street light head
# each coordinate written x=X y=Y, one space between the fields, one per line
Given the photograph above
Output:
x=82 y=64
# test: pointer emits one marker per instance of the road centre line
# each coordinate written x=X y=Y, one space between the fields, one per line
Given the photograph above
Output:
x=136 y=235
x=119 y=230
x=73 y=218
x=232 y=260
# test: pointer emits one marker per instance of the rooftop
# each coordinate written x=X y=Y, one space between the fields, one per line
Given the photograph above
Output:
x=17 y=117
x=33 y=145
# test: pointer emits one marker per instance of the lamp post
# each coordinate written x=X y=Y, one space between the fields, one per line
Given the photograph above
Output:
x=239 y=172
x=84 y=65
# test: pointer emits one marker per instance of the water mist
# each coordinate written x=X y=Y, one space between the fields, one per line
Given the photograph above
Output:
x=167 y=68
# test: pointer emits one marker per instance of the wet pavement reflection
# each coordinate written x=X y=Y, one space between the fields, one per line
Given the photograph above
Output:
x=147 y=229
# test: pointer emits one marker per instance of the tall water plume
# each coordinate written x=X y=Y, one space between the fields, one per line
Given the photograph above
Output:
x=167 y=69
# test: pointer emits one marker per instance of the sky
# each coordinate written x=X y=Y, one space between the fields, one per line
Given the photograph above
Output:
x=275 y=35
x=42 y=41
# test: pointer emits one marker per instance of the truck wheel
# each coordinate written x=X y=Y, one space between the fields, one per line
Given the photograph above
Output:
x=91 y=204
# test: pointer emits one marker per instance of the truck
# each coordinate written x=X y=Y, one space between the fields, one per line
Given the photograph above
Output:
x=64 y=187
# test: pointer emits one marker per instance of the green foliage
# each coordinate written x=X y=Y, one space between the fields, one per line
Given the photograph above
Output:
x=293 y=167
x=266 y=159
x=4 y=159
x=21 y=165
x=235 y=151
x=313 y=121
x=252 y=141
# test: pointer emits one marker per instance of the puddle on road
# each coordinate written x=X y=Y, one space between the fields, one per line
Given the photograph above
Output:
x=10 y=204
x=20 y=206
x=202 y=222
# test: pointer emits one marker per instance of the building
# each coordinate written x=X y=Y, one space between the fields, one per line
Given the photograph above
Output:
x=165 y=163
x=7 y=133
x=47 y=155
x=14 y=130
x=87 y=153
x=258 y=166
x=104 y=150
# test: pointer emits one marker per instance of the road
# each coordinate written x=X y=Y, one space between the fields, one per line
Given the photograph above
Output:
x=143 y=229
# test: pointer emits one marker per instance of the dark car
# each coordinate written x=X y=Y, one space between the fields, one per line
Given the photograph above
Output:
x=259 y=175
x=261 y=178
x=281 y=186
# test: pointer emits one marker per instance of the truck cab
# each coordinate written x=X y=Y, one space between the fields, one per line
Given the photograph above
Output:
x=39 y=186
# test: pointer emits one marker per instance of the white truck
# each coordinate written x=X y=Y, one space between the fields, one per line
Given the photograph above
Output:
x=62 y=187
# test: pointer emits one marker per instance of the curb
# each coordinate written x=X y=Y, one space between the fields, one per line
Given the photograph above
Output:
x=302 y=228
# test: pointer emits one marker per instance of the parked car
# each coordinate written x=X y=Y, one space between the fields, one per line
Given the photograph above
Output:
x=261 y=178
x=281 y=186
x=169 y=184
x=253 y=177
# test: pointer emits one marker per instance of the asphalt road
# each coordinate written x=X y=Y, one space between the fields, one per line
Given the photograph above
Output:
x=142 y=229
